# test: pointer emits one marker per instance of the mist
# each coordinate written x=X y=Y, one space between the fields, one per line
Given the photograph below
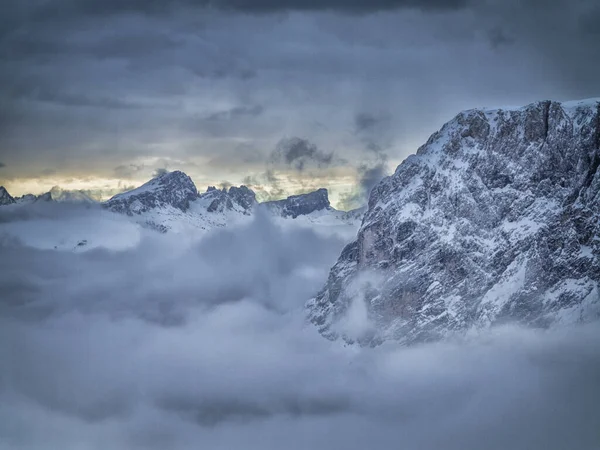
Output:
x=178 y=343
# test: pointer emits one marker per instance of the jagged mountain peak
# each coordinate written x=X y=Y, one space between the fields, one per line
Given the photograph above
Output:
x=494 y=219
x=244 y=196
x=5 y=197
x=240 y=198
x=26 y=199
x=170 y=201
x=301 y=204
x=172 y=189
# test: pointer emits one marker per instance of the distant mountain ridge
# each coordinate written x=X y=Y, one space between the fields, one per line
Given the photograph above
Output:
x=55 y=194
x=171 y=200
x=174 y=189
x=5 y=197
x=302 y=204
x=240 y=198
x=177 y=189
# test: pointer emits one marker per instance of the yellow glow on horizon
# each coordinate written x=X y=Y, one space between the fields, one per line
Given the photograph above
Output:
x=102 y=186
x=339 y=181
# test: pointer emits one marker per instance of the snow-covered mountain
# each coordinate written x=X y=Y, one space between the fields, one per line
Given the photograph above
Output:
x=170 y=202
x=171 y=189
x=496 y=218
x=300 y=205
x=27 y=198
x=240 y=199
x=5 y=197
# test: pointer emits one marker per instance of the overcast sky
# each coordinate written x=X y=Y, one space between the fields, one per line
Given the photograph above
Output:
x=282 y=95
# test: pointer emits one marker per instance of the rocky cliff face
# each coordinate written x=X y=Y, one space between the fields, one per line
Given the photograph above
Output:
x=170 y=202
x=172 y=189
x=297 y=205
x=495 y=219
x=5 y=197
x=26 y=199
x=239 y=199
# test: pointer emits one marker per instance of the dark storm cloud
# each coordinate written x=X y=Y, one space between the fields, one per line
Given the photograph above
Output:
x=295 y=160
x=373 y=133
x=299 y=153
x=2 y=165
x=365 y=121
x=369 y=176
x=105 y=84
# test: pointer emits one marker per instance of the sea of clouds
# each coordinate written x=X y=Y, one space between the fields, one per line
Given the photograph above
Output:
x=172 y=343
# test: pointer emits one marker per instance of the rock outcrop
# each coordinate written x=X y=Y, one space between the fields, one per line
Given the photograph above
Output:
x=495 y=219
x=174 y=189
x=5 y=197
x=239 y=199
x=297 y=205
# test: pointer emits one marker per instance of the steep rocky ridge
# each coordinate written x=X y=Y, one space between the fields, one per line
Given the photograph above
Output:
x=172 y=189
x=302 y=204
x=496 y=218
x=5 y=197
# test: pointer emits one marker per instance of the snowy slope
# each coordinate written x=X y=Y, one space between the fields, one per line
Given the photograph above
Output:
x=300 y=205
x=5 y=197
x=172 y=189
x=157 y=205
x=168 y=203
x=495 y=219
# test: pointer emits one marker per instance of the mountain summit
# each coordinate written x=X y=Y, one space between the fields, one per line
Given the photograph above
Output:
x=240 y=199
x=302 y=204
x=174 y=189
x=495 y=219
x=5 y=197
x=171 y=202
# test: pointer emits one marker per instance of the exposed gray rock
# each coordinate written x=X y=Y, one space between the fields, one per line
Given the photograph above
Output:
x=302 y=204
x=47 y=197
x=355 y=214
x=174 y=189
x=243 y=196
x=240 y=199
x=27 y=198
x=495 y=219
x=5 y=197
x=171 y=202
